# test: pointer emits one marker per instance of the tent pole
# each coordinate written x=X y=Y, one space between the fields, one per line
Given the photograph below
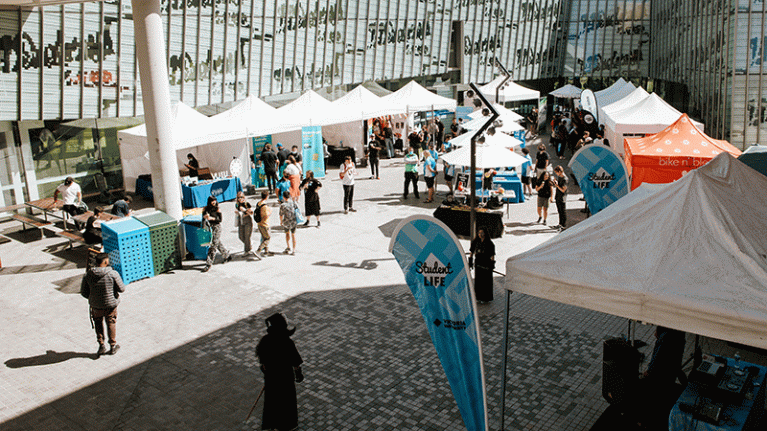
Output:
x=505 y=356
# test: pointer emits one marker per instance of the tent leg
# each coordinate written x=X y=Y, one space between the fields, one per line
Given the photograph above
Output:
x=505 y=355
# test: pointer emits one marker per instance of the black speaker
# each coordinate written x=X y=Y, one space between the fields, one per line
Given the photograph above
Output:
x=620 y=371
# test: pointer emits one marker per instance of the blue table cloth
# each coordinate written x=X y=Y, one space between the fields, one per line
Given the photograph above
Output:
x=144 y=189
x=734 y=416
x=509 y=183
x=224 y=190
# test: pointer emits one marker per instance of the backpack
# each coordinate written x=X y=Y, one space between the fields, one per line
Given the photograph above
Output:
x=257 y=213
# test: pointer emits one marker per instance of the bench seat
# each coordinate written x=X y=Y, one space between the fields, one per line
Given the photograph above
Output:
x=31 y=220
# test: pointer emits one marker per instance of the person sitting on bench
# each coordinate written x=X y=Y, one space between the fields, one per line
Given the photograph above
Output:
x=121 y=208
x=92 y=233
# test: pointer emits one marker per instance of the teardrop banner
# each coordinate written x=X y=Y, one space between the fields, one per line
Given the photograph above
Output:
x=436 y=270
x=601 y=175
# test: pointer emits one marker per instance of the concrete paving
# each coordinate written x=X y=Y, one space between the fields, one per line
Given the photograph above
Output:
x=187 y=360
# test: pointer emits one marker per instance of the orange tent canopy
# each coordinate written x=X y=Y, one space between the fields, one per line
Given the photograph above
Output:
x=666 y=156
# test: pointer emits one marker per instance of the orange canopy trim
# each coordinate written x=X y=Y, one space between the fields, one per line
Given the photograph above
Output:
x=665 y=156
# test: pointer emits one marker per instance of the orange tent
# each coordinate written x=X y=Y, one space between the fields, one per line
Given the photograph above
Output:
x=666 y=156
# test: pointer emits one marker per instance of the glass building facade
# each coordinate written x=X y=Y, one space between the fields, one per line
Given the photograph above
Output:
x=69 y=74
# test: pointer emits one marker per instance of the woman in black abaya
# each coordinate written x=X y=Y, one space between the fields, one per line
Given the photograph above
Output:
x=482 y=258
x=281 y=365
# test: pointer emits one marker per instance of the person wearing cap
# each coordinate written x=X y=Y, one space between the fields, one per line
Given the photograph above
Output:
x=281 y=364
x=71 y=194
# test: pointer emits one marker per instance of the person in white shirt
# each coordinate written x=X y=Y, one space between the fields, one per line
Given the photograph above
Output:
x=71 y=195
x=348 y=172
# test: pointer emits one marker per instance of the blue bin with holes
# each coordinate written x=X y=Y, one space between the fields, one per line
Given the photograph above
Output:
x=128 y=244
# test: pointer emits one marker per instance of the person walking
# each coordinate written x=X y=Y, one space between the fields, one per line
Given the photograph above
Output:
x=72 y=196
x=269 y=159
x=281 y=364
x=429 y=173
x=482 y=259
x=288 y=222
x=211 y=214
x=310 y=185
x=527 y=168
x=348 y=172
x=541 y=161
x=544 y=195
x=411 y=172
x=293 y=172
x=244 y=213
x=373 y=151
x=560 y=185
x=261 y=217
x=102 y=287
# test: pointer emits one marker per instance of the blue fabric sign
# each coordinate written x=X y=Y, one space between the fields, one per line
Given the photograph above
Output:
x=601 y=174
x=435 y=269
x=313 y=153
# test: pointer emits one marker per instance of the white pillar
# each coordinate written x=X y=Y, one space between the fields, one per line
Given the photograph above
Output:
x=153 y=68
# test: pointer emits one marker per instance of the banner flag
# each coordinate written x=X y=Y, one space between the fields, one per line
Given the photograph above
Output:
x=601 y=174
x=313 y=152
x=589 y=103
x=436 y=270
x=257 y=175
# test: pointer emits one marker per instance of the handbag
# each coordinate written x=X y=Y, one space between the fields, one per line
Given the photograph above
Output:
x=300 y=219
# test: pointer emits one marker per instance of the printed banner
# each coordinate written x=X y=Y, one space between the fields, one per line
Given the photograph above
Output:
x=313 y=152
x=589 y=103
x=257 y=175
x=436 y=271
x=601 y=174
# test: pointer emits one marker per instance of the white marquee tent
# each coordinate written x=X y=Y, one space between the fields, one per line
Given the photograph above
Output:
x=690 y=256
x=193 y=132
x=511 y=91
x=569 y=91
x=611 y=89
x=647 y=117
x=498 y=139
x=632 y=99
x=502 y=111
x=614 y=96
x=486 y=156
x=415 y=98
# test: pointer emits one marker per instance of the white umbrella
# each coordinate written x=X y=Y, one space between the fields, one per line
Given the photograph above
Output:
x=486 y=156
x=501 y=110
x=499 y=139
x=509 y=125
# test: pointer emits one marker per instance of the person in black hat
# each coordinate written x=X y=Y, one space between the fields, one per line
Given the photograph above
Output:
x=281 y=365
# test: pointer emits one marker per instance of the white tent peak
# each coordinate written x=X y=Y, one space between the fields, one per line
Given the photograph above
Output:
x=417 y=98
x=367 y=104
x=568 y=91
x=691 y=256
x=511 y=91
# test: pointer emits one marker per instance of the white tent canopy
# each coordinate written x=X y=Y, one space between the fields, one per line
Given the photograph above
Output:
x=486 y=156
x=415 y=98
x=502 y=111
x=690 y=256
x=632 y=99
x=511 y=91
x=615 y=96
x=509 y=124
x=568 y=91
x=647 y=117
x=253 y=116
x=310 y=109
x=376 y=88
x=499 y=139
x=213 y=143
x=366 y=105
x=611 y=89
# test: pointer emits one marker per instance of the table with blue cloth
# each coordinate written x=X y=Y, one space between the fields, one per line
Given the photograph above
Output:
x=738 y=411
x=509 y=182
x=197 y=196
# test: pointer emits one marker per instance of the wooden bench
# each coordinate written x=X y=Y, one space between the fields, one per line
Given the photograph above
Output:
x=12 y=208
x=31 y=220
x=73 y=236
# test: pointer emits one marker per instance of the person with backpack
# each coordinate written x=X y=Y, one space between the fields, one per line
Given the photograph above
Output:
x=261 y=216
x=289 y=221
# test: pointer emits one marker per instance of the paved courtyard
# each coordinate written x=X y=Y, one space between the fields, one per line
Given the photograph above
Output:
x=187 y=360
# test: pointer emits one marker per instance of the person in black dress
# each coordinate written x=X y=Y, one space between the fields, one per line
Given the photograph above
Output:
x=193 y=165
x=482 y=259
x=281 y=365
x=310 y=185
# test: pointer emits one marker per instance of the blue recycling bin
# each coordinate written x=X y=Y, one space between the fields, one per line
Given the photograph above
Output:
x=197 y=238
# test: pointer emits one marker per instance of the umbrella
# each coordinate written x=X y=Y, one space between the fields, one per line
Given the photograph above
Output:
x=509 y=125
x=487 y=156
x=499 y=139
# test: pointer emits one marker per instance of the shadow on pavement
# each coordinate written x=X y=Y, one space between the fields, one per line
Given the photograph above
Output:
x=50 y=357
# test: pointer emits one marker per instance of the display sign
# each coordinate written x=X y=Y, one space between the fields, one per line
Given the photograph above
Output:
x=435 y=268
x=601 y=174
x=589 y=103
x=313 y=153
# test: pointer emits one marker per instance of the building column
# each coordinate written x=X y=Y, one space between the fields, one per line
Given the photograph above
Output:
x=153 y=68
